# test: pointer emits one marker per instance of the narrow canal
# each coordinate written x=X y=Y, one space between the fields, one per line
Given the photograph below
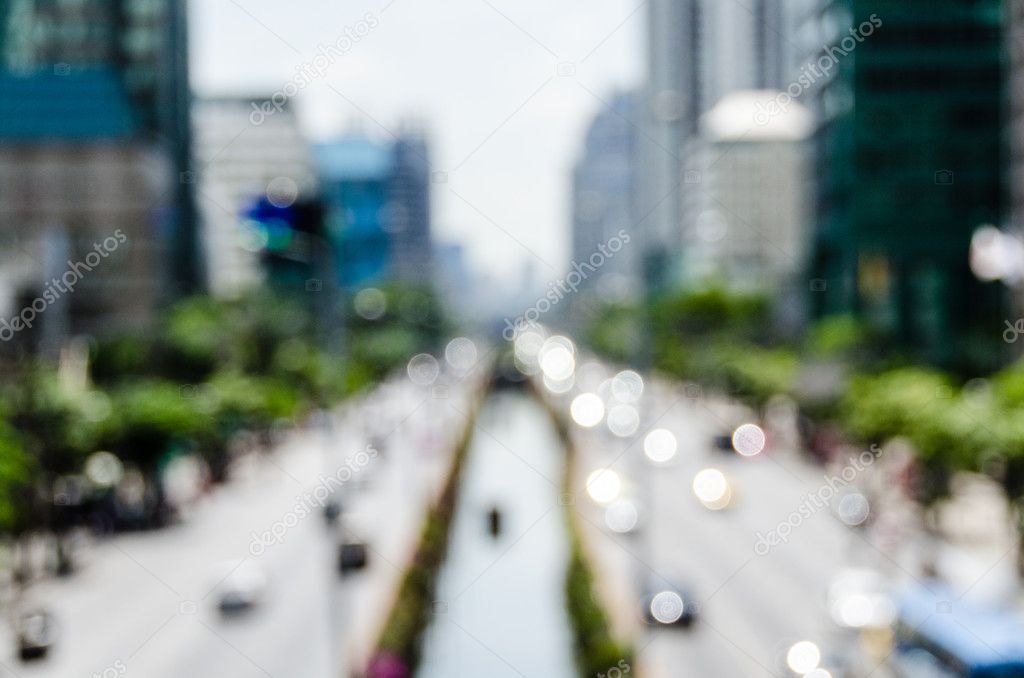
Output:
x=501 y=609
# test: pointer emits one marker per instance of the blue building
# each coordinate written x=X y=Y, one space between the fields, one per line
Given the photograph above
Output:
x=377 y=209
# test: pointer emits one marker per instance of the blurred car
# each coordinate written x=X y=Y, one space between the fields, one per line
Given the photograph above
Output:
x=36 y=634
x=668 y=604
x=351 y=556
x=722 y=442
x=858 y=598
x=938 y=633
x=242 y=589
x=332 y=511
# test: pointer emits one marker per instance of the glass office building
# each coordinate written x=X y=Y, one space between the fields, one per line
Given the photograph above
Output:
x=910 y=100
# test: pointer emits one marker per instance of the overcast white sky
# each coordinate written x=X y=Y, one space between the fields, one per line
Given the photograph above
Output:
x=483 y=75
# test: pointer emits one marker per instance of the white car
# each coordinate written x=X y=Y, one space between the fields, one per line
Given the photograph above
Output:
x=242 y=586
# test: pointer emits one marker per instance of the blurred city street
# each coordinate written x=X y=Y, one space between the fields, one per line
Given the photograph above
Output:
x=620 y=339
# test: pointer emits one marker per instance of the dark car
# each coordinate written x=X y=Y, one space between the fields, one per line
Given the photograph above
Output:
x=351 y=556
x=669 y=605
x=722 y=442
x=36 y=632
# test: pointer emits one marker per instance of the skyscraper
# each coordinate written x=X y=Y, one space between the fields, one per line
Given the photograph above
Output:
x=95 y=138
x=909 y=166
x=699 y=51
x=604 y=192
x=743 y=46
x=377 y=199
x=1015 y=85
x=245 y=153
x=143 y=44
x=409 y=205
x=751 y=219
x=669 y=112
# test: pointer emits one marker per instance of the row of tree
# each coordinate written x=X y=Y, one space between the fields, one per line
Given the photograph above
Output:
x=212 y=373
x=840 y=375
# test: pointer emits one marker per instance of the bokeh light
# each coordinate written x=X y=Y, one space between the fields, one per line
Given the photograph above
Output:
x=423 y=369
x=557 y=358
x=803 y=657
x=854 y=509
x=660 y=445
x=604 y=485
x=711 y=488
x=623 y=420
x=622 y=517
x=282 y=191
x=627 y=386
x=587 y=410
x=749 y=439
x=667 y=607
x=104 y=469
x=461 y=354
x=370 y=303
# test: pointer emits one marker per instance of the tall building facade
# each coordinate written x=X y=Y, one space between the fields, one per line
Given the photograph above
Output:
x=94 y=139
x=247 y=148
x=604 y=193
x=411 y=252
x=751 y=221
x=744 y=46
x=909 y=165
x=1015 y=91
x=699 y=51
x=377 y=201
x=670 y=108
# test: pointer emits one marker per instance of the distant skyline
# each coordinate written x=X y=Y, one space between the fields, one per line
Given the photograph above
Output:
x=505 y=89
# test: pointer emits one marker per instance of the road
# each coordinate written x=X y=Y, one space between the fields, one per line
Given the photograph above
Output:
x=145 y=604
x=755 y=602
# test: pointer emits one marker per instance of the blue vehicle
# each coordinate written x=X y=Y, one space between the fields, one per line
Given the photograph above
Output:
x=939 y=636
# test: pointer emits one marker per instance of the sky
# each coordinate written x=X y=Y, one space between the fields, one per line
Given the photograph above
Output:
x=505 y=89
